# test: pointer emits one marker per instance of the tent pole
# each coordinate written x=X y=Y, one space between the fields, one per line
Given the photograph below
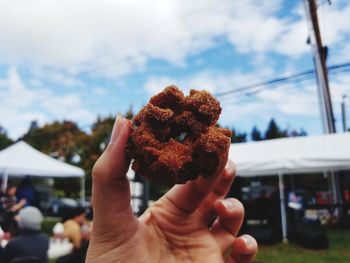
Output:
x=5 y=177
x=283 y=208
x=82 y=190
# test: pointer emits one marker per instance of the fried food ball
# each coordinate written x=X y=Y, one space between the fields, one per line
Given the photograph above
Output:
x=175 y=138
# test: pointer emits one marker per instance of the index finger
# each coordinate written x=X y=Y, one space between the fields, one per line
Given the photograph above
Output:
x=110 y=188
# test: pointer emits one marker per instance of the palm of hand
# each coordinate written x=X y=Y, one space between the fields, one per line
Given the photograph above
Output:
x=178 y=237
x=162 y=236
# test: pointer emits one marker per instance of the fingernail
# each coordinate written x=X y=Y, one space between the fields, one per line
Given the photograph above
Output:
x=118 y=124
x=248 y=240
x=228 y=204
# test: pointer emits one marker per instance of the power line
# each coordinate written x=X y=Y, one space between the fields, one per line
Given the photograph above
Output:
x=274 y=86
x=238 y=97
x=266 y=83
x=293 y=77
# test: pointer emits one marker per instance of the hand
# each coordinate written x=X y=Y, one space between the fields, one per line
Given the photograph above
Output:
x=19 y=205
x=191 y=223
x=22 y=202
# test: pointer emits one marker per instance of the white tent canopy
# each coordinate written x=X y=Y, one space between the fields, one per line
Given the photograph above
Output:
x=298 y=155
x=322 y=153
x=21 y=159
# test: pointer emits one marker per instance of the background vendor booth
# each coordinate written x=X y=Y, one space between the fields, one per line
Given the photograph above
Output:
x=21 y=160
x=275 y=164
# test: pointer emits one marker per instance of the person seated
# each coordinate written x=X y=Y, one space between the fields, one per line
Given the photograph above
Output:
x=27 y=191
x=73 y=227
x=31 y=242
x=58 y=231
x=75 y=231
x=9 y=208
x=9 y=200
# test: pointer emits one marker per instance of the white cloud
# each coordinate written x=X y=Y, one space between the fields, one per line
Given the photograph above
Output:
x=297 y=100
x=112 y=38
x=339 y=87
x=66 y=42
x=156 y=84
x=257 y=34
x=40 y=74
x=340 y=55
x=293 y=40
x=99 y=91
x=334 y=22
x=21 y=104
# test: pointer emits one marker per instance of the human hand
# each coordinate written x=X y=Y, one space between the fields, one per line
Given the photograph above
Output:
x=22 y=202
x=85 y=231
x=19 y=205
x=191 y=223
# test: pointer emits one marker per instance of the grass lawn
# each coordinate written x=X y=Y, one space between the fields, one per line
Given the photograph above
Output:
x=339 y=251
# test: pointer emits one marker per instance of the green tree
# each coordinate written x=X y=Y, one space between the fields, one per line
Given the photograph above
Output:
x=5 y=141
x=129 y=114
x=295 y=133
x=100 y=133
x=273 y=131
x=256 y=134
x=238 y=136
x=64 y=141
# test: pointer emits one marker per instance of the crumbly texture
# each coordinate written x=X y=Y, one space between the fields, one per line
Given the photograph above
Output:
x=175 y=138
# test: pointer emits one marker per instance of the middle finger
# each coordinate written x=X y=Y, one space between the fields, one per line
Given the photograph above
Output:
x=206 y=210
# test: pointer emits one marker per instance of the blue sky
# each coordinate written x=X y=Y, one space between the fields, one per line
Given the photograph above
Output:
x=65 y=59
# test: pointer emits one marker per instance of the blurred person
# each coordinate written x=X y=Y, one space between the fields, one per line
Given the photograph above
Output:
x=73 y=226
x=31 y=242
x=9 y=200
x=2 y=233
x=26 y=191
x=75 y=230
x=192 y=222
x=58 y=231
x=9 y=208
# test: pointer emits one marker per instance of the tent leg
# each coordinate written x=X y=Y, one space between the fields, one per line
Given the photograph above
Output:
x=283 y=208
x=82 y=190
x=5 y=177
x=334 y=188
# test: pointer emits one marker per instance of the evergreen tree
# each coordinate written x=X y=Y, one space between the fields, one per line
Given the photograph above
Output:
x=273 y=131
x=33 y=125
x=129 y=114
x=256 y=134
x=238 y=136
x=295 y=133
x=5 y=141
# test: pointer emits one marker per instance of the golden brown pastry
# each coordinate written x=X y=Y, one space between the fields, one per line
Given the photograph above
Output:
x=175 y=138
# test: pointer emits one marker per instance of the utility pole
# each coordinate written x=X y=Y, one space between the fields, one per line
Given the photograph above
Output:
x=343 y=113
x=320 y=54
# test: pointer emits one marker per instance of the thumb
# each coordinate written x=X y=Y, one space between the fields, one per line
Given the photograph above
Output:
x=110 y=188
